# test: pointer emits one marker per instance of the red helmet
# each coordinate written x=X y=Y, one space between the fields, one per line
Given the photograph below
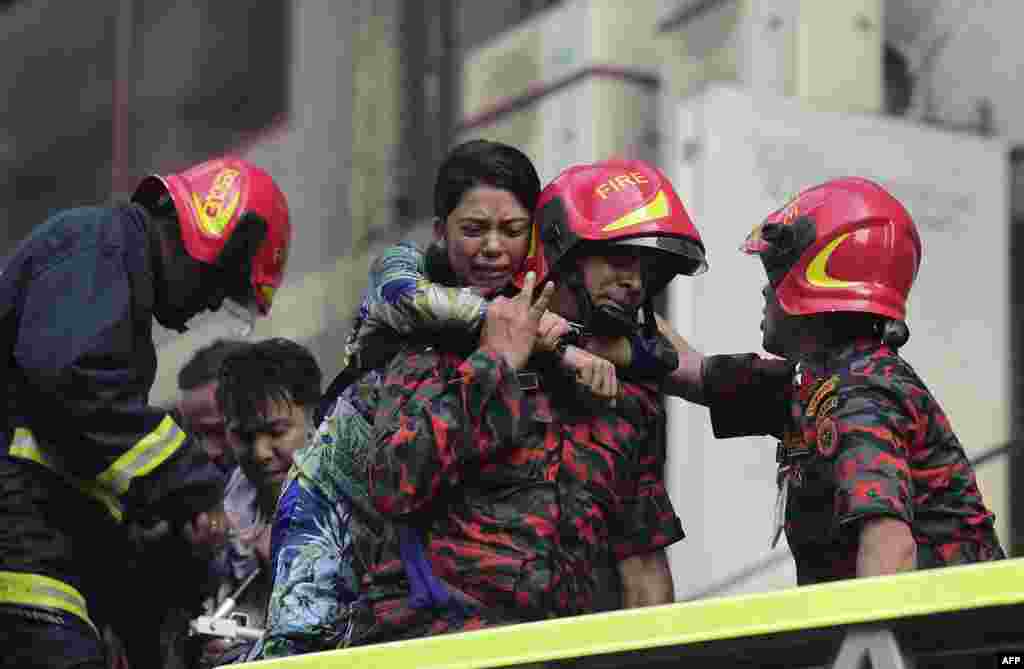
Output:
x=617 y=203
x=845 y=245
x=211 y=199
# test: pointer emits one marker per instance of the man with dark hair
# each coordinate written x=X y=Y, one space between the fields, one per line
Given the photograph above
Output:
x=267 y=393
x=81 y=449
x=197 y=383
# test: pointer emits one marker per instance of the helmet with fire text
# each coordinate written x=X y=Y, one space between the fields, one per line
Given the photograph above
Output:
x=616 y=205
x=222 y=206
x=844 y=245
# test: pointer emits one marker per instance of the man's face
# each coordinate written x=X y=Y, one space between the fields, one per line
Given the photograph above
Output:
x=613 y=279
x=780 y=331
x=204 y=421
x=264 y=444
x=186 y=287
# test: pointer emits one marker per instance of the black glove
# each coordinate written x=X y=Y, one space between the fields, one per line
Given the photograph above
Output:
x=653 y=359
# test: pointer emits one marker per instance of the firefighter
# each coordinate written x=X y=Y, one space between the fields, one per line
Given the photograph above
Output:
x=83 y=453
x=872 y=478
x=525 y=497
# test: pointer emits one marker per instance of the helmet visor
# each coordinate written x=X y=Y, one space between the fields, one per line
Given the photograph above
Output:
x=686 y=256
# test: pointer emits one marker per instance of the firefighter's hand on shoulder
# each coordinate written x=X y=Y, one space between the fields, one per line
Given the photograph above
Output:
x=207 y=532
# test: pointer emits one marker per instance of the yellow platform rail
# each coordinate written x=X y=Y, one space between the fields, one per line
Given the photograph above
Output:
x=944 y=615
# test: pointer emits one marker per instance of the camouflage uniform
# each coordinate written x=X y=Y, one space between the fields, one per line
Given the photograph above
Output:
x=525 y=497
x=862 y=438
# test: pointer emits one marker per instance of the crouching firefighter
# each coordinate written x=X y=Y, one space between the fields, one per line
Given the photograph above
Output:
x=81 y=450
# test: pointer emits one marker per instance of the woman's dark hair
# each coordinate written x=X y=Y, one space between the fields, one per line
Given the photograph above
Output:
x=483 y=162
x=271 y=370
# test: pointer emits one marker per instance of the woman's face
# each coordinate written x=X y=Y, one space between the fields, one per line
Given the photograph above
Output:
x=488 y=237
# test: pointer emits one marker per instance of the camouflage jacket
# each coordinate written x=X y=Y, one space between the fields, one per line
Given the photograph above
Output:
x=861 y=437
x=526 y=499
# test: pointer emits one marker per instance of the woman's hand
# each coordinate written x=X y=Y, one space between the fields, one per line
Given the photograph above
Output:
x=511 y=326
x=552 y=327
x=595 y=375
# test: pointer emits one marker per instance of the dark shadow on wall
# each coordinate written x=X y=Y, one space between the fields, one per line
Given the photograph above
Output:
x=107 y=91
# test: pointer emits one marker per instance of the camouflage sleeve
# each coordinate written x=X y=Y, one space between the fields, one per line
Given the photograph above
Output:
x=648 y=521
x=747 y=394
x=867 y=435
x=437 y=418
x=402 y=299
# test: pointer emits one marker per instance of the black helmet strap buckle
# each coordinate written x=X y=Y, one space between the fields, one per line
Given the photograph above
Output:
x=601 y=320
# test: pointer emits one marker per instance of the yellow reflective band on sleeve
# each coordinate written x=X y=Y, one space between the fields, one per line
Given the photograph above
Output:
x=42 y=592
x=149 y=453
x=24 y=446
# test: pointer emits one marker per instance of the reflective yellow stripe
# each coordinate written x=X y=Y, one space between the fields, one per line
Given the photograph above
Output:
x=657 y=208
x=24 y=446
x=714 y=623
x=42 y=591
x=149 y=453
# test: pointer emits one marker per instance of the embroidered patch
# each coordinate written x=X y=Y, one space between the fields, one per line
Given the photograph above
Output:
x=820 y=394
x=828 y=437
x=827 y=407
x=792 y=446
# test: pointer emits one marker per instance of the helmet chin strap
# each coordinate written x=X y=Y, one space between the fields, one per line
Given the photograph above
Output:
x=894 y=333
x=602 y=320
x=653 y=357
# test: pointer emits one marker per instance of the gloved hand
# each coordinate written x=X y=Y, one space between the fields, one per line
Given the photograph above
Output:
x=653 y=358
